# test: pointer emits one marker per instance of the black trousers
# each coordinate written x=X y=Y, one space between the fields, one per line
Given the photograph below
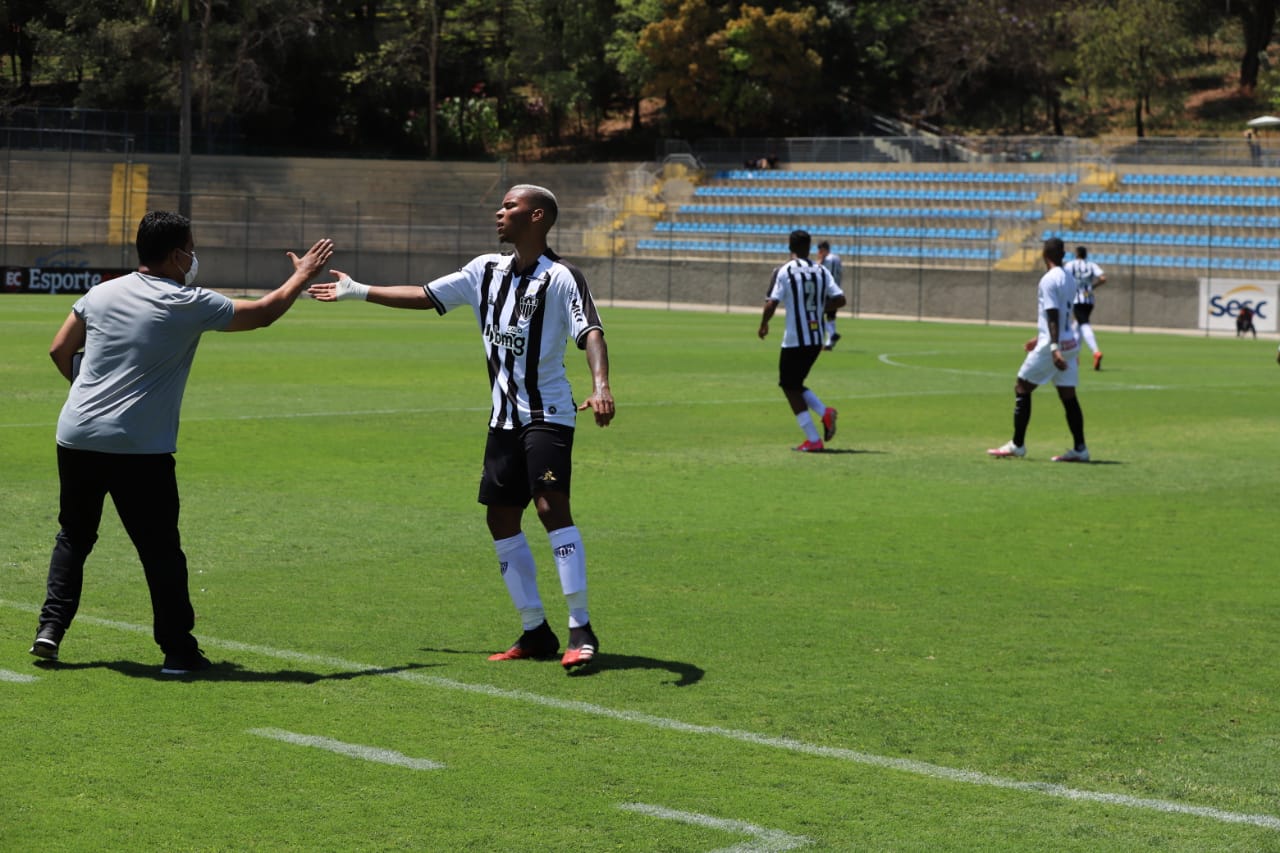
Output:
x=144 y=489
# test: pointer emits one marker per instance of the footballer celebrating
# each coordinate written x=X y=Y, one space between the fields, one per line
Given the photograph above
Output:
x=528 y=305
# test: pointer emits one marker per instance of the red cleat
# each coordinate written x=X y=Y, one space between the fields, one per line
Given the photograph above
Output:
x=539 y=643
x=583 y=646
x=829 y=424
x=810 y=447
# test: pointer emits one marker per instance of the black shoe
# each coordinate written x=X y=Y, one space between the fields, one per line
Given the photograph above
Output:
x=583 y=646
x=539 y=643
x=46 y=644
x=184 y=664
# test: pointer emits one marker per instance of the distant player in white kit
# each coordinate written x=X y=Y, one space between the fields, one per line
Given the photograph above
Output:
x=835 y=266
x=1088 y=275
x=1052 y=356
x=528 y=305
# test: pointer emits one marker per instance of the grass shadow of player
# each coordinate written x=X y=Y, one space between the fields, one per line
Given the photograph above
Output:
x=230 y=672
x=833 y=450
x=686 y=673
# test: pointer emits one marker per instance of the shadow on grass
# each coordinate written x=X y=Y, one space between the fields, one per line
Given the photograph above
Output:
x=686 y=673
x=228 y=671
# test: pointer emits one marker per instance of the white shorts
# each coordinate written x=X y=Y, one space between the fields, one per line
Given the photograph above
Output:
x=1038 y=367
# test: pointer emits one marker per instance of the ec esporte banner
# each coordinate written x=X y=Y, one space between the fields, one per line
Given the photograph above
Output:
x=1222 y=298
x=54 y=279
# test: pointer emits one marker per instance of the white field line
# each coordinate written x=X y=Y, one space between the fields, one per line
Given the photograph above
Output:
x=765 y=840
x=352 y=750
x=16 y=677
x=905 y=765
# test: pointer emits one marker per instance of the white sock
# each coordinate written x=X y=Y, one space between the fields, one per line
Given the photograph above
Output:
x=1087 y=331
x=811 y=400
x=831 y=329
x=806 y=423
x=520 y=574
x=571 y=562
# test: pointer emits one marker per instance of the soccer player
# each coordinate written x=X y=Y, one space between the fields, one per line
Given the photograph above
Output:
x=1052 y=356
x=831 y=261
x=528 y=305
x=807 y=292
x=1088 y=275
x=118 y=429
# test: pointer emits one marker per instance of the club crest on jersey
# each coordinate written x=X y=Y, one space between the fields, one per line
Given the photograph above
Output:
x=527 y=306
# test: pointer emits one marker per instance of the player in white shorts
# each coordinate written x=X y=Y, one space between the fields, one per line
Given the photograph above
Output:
x=1052 y=356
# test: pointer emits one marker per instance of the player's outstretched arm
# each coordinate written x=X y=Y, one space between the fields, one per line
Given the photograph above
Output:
x=256 y=313
x=395 y=296
x=601 y=400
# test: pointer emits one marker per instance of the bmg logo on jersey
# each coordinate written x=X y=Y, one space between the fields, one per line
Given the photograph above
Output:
x=509 y=338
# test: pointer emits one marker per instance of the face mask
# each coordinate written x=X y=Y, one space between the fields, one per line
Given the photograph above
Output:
x=190 y=278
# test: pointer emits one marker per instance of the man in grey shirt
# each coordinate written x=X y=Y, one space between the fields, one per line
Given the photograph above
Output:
x=118 y=430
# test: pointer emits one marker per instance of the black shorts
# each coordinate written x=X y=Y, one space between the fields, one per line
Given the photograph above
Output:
x=1082 y=310
x=793 y=366
x=521 y=462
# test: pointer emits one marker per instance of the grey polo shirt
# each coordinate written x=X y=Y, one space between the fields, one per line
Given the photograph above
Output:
x=141 y=336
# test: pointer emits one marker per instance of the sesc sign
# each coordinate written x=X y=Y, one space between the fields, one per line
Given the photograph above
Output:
x=1221 y=301
x=54 y=279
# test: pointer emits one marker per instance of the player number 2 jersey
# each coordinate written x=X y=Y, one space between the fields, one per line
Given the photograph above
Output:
x=803 y=288
x=526 y=319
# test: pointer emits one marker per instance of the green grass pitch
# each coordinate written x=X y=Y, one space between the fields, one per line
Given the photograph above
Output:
x=904 y=645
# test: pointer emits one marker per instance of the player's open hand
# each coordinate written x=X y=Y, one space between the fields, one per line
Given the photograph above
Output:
x=1030 y=345
x=600 y=403
x=315 y=258
x=336 y=291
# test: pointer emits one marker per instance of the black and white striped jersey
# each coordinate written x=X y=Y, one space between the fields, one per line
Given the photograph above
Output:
x=803 y=288
x=1086 y=273
x=526 y=318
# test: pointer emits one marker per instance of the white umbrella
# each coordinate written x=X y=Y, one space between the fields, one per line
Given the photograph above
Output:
x=1264 y=121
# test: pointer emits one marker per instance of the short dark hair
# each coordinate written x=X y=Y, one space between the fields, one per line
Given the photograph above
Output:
x=543 y=198
x=825 y=246
x=1082 y=252
x=1054 y=250
x=800 y=242
x=159 y=233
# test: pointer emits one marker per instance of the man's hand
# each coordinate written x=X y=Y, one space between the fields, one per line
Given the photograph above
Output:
x=1058 y=361
x=314 y=260
x=336 y=291
x=1030 y=345
x=601 y=403
x=763 y=331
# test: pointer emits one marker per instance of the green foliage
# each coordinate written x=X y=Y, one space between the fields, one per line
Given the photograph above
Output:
x=1105 y=627
x=1133 y=48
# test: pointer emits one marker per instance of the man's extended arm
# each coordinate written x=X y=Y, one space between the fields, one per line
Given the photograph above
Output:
x=257 y=313
x=393 y=296
x=770 y=306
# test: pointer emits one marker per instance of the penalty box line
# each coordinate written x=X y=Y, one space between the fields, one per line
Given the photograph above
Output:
x=917 y=768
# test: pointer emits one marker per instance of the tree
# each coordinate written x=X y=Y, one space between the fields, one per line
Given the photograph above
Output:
x=990 y=58
x=1258 y=18
x=1134 y=48
x=737 y=70
x=184 y=115
x=623 y=49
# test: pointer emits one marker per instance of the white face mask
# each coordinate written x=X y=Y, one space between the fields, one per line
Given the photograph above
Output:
x=190 y=277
